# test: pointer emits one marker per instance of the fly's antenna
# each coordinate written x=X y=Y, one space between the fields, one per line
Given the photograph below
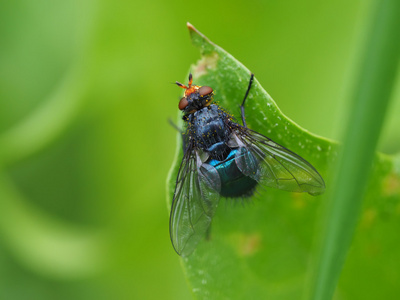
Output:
x=184 y=86
x=181 y=85
x=190 y=79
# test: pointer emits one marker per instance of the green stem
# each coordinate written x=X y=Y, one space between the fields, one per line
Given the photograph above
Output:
x=371 y=97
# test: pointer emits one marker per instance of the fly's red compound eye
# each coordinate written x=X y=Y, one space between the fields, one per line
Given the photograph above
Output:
x=183 y=103
x=205 y=90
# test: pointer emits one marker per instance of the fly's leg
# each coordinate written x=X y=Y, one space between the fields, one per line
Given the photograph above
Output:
x=183 y=134
x=174 y=125
x=244 y=100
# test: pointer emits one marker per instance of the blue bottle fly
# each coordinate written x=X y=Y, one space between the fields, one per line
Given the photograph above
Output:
x=224 y=158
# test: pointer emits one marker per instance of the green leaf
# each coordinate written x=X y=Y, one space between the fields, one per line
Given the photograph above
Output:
x=262 y=249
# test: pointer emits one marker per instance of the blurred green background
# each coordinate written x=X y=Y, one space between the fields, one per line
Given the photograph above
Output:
x=85 y=147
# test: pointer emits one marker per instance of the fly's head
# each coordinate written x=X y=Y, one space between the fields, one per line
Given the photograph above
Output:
x=196 y=97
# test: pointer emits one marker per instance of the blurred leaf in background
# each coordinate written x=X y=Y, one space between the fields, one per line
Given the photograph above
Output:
x=85 y=94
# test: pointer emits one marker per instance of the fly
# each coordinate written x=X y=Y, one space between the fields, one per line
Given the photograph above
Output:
x=223 y=158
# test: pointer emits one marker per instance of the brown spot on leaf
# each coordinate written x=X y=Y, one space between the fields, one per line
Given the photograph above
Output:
x=391 y=185
x=246 y=244
x=206 y=63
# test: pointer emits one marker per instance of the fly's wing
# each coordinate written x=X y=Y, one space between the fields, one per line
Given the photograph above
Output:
x=195 y=199
x=275 y=166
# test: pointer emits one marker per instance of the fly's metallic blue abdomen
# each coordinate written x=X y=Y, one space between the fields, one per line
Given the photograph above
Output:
x=233 y=182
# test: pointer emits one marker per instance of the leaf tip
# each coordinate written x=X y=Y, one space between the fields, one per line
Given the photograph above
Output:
x=199 y=40
x=190 y=27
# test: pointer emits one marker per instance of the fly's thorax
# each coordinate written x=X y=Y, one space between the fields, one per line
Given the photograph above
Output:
x=208 y=127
